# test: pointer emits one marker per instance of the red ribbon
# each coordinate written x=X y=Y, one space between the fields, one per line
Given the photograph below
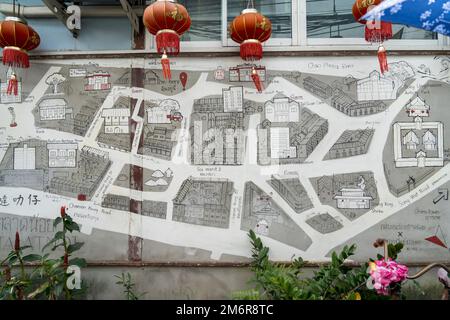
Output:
x=382 y=59
x=12 y=87
x=257 y=81
x=166 y=67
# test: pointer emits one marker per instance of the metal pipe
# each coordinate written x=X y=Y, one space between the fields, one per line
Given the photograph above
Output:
x=428 y=268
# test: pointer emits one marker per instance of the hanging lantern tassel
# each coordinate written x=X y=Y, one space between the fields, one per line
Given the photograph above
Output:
x=382 y=58
x=165 y=62
x=12 y=85
x=168 y=41
x=14 y=56
x=251 y=49
x=257 y=80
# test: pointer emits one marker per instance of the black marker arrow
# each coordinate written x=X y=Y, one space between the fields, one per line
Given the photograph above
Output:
x=443 y=194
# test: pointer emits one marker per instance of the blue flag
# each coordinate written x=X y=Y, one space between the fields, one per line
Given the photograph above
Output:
x=430 y=15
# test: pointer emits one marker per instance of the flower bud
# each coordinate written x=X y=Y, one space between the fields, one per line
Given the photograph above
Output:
x=63 y=211
x=17 y=242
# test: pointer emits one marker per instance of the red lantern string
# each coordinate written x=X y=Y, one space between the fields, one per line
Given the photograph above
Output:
x=382 y=59
x=167 y=21
x=378 y=32
x=250 y=30
x=12 y=85
x=165 y=62
x=257 y=80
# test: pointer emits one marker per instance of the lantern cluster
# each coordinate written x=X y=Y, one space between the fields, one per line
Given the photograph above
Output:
x=167 y=21
x=375 y=31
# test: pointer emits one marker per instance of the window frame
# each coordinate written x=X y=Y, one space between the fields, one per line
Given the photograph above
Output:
x=300 y=40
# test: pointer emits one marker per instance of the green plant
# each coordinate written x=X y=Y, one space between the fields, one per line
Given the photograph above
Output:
x=333 y=281
x=14 y=287
x=49 y=277
x=52 y=274
x=128 y=285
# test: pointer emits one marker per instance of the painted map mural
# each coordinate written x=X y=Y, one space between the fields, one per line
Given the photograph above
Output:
x=331 y=153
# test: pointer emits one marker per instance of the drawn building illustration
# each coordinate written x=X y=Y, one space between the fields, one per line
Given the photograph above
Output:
x=116 y=202
x=411 y=141
x=204 y=202
x=282 y=109
x=280 y=144
x=154 y=209
x=429 y=140
x=116 y=120
x=345 y=104
x=62 y=155
x=419 y=143
x=317 y=87
x=83 y=119
x=324 y=223
x=24 y=165
x=219 y=74
x=24 y=158
x=243 y=73
x=292 y=191
x=353 y=198
x=98 y=80
x=152 y=78
x=158 y=142
x=262 y=213
x=418 y=108
x=159 y=114
x=217 y=137
x=53 y=109
x=314 y=130
x=233 y=99
x=375 y=87
x=92 y=167
x=351 y=143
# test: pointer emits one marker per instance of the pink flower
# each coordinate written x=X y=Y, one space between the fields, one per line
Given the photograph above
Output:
x=387 y=272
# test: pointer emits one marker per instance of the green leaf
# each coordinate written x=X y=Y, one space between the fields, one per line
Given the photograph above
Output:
x=74 y=247
x=59 y=235
x=72 y=226
x=80 y=262
x=39 y=290
x=57 y=246
x=31 y=258
x=57 y=221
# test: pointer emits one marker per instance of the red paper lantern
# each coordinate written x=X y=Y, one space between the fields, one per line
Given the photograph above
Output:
x=250 y=30
x=167 y=20
x=360 y=8
x=375 y=31
x=16 y=39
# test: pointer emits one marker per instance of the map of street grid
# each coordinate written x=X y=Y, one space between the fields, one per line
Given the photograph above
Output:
x=327 y=154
